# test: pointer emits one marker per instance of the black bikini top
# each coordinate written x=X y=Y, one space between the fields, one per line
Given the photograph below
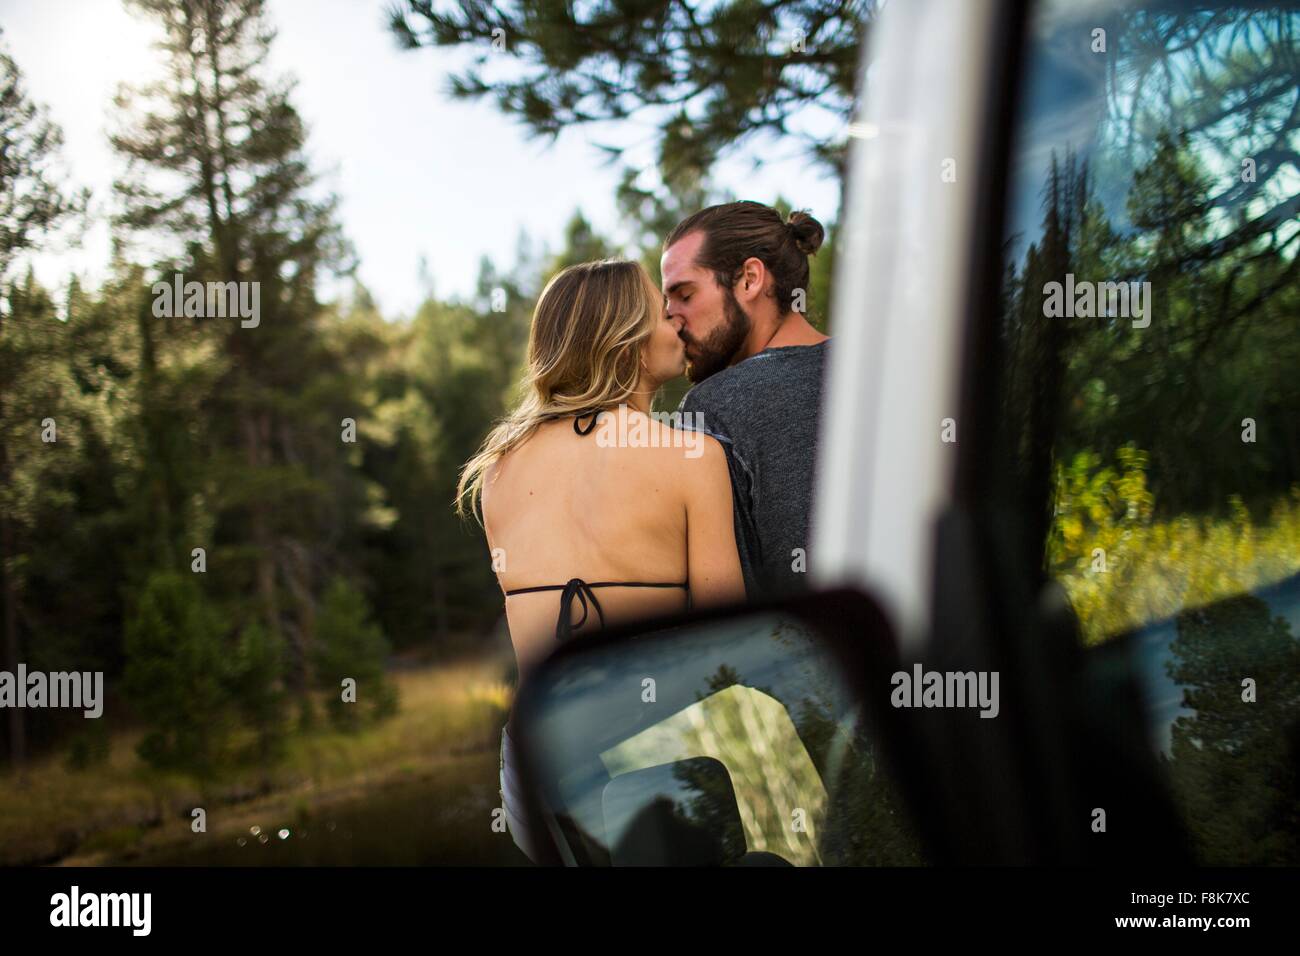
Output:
x=578 y=588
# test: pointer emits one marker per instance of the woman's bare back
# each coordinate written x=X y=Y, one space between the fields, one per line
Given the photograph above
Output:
x=564 y=505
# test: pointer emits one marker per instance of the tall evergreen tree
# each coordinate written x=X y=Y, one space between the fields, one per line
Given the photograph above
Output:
x=34 y=200
x=216 y=161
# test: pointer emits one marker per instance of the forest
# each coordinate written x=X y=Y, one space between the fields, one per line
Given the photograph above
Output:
x=228 y=512
x=227 y=516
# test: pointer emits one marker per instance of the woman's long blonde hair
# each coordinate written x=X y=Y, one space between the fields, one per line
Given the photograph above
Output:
x=584 y=353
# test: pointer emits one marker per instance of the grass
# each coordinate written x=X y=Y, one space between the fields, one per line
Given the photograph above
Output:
x=115 y=805
x=1123 y=567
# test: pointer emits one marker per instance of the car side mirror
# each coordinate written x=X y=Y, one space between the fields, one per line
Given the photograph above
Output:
x=742 y=736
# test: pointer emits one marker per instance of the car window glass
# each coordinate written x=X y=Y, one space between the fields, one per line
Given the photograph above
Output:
x=1148 y=345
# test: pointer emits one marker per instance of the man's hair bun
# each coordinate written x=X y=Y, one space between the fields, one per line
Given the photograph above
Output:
x=807 y=232
x=736 y=231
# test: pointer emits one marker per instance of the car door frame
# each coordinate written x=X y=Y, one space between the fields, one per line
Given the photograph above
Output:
x=906 y=517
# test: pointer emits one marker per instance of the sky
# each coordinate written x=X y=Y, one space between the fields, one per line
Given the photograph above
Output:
x=418 y=173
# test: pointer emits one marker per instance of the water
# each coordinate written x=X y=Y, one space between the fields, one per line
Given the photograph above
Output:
x=442 y=820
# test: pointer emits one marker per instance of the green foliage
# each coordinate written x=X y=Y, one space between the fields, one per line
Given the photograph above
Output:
x=653 y=213
x=351 y=645
x=176 y=433
x=253 y=467
x=178 y=674
x=1123 y=567
x=707 y=76
x=1162 y=198
x=308 y=719
x=1233 y=773
x=581 y=244
x=1175 y=524
x=34 y=199
x=257 y=688
x=447 y=376
x=88 y=746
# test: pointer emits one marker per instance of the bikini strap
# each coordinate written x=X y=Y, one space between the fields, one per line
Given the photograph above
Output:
x=685 y=585
x=585 y=594
x=577 y=422
x=580 y=589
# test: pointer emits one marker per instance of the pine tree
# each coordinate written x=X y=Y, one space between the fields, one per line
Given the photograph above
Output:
x=177 y=675
x=34 y=201
x=216 y=163
x=352 y=647
x=709 y=76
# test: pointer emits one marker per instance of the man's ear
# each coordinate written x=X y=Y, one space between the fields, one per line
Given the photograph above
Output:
x=753 y=279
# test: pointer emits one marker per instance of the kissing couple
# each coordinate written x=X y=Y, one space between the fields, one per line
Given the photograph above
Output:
x=670 y=520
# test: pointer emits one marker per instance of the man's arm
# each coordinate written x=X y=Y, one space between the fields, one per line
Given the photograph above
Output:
x=698 y=414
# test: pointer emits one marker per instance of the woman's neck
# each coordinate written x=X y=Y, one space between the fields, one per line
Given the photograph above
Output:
x=642 y=397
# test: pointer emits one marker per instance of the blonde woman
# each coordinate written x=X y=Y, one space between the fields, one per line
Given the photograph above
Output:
x=596 y=512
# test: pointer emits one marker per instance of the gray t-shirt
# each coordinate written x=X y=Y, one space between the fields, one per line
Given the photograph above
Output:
x=765 y=412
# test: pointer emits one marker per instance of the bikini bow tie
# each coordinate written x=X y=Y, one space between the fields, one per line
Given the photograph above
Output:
x=580 y=589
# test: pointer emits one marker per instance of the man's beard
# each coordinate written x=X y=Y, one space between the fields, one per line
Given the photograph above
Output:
x=715 y=353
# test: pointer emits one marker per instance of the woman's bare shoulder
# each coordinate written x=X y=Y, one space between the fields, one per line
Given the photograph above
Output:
x=489 y=496
x=502 y=479
x=709 y=468
x=695 y=462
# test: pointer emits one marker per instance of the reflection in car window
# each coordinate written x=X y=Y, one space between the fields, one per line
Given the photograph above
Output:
x=746 y=731
x=715 y=744
x=1150 y=335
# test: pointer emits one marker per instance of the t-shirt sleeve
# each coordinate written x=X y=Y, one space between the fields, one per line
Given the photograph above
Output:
x=700 y=414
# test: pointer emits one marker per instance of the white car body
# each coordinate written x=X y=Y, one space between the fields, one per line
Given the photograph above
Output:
x=885 y=470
